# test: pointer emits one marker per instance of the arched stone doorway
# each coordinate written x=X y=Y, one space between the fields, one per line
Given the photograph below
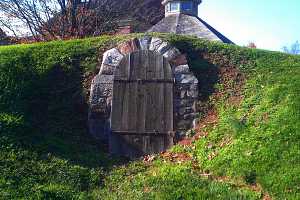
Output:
x=184 y=97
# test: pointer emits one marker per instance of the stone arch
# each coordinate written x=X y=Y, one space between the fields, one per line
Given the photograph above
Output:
x=185 y=91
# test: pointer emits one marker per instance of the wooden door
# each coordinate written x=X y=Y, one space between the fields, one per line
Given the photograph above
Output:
x=142 y=105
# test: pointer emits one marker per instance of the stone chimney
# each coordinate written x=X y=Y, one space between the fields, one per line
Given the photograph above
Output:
x=189 y=7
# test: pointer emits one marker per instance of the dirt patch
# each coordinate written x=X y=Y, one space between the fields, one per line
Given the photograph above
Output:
x=231 y=82
x=176 y=157
x=211 y=119
x=170 y=157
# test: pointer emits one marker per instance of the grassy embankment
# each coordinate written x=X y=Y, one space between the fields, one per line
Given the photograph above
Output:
x=249 y=150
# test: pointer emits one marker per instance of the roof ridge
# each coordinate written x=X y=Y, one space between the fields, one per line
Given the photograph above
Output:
x=220 y=35
x=181 y=23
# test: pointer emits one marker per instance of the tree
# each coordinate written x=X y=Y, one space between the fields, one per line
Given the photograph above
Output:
x=252 y=45
x=293 y=49
x=51 y=19
x=59 y=19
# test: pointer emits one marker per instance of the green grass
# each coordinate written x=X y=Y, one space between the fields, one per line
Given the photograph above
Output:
x=264 y=132
x=46 y=153
x=164 y=180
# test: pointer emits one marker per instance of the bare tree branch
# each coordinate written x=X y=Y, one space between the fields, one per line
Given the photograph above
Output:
x=51 y=19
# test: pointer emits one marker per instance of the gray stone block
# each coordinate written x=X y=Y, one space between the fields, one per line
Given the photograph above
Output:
x=188 y=102
x=103 y=78
x=180 y=86
x=192 y=93
x=194 y=87
x=185 y=110
x=155 y=44
x=107 y=69
x=145 y=42
x=163 y=48
x=190 y=116
x=186 y=78
x=100 y=105
x=171 y=54
x=182 y=69
x=112 y=57
x=183 y=94
x=185 y=124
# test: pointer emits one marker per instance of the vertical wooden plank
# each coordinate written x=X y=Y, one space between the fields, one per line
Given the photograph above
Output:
x=141 y=92
x=159 y=95
x=118 y=96
x=168 y=100
x=126 y=91
x=150 y=90
x=168 y=104
x=119 y=72
x=115 y=106
x=151 y=116
x=133 y=93
x=168 y=70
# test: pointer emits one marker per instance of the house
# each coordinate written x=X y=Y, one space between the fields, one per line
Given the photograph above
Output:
x=181 y=17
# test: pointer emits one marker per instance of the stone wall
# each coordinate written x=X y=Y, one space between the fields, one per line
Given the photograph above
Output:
x=185 y=94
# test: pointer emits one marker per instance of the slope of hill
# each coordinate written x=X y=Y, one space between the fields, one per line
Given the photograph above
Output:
x=246 y=145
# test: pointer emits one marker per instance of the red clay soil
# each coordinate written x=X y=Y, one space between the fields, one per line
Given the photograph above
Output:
x=176 y=157
x=209 y=120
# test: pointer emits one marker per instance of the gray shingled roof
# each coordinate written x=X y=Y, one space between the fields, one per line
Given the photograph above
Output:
x=188 y=25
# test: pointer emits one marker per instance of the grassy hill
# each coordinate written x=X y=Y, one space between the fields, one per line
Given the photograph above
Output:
x=246 y=145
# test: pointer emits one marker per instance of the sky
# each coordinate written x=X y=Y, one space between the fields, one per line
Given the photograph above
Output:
x=270 y=24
